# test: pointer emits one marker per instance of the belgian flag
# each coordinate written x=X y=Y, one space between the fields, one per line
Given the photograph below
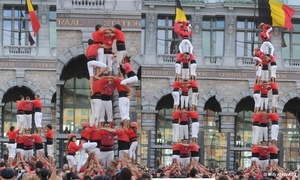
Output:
x=180 y=16
x=275 y=13
x=33 y=18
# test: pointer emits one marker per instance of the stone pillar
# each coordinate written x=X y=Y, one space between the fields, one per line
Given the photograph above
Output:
x=149 y=123
x=151 y=35
x=228 y=126
x=230 y=37
x=1 y=26
x=57 y=122
x=197 y=36
x=43 y=42
x=1 y=119
x=277 y=43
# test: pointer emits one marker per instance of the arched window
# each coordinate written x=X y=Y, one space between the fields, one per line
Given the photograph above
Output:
x=212 y=136
x=75 y=95
x=164 y=129
x=291 y=136
x=243 y=131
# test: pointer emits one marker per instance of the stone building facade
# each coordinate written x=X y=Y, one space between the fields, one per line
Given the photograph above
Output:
x=223 y=35
x=26 y=68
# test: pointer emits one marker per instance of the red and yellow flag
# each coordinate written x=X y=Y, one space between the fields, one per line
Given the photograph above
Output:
x=275 y=13
x=33 y=18
x=180 y=15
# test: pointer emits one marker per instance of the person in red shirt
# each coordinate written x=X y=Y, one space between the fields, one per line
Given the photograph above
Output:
x=263 y=155
x=85 y=137
x=194 y=151
x=96 y=137
x=176 y=151
x=183 y=127
x=109 y=55
x=37 y=104
x=258 y=56
x=124 y=103
x=185 y=153
x=12 y=136
x=275 y=96
x=108 y=87
x=133 y=137
x=195 y=94
x=193 y=115
x=38 y=143
x=193 y=66
x=265 y=68
x=274 y=128
x=263 y=126
x=91 y=55
x=20 y=146
x=131 y=76
x=185 y=87
x=184 y=30
x=96 y=102
x=255 y=153
x=256 y=96
x=28 y=107
x=175 y=125
x=265 y=38
x=255 y=127
x=49 y=142
x=98 y=38
x=175 y=94
x=273 y=154
x=273 y=67
x=264 y=90
x=107 y=144
x=20 y=113
x=28 y=145
x=185 y=66
x=178 y=66
x=72 y=148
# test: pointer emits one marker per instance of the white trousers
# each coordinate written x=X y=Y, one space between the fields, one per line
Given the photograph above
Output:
x=21 y=151
x=255 y=159
x=183 y=132
x=263 y=164
x=275 y=99
x=38 y=119
x=121 y=153
x=184 y=161
x=11 y=150
x=108 y=61
x=95 y=109
x=185 y=73
x=93 y=64
x=40 y=150
x=120 y=56
x=273 y=160
x=195 y=129
x=263 y=103
x=71 y=161
x=263 y=131
x=266 y=46
x=177 y=157
x=124 y=106
x=256 y=98
x=175 y=128
x=20 y=119
x=257 y=59
x=106 y=157
x=177 y=68
x=274 y=131
x=27 y=121
x=132 y=150
x=175 y=95
x=96 y=151
x=130 y=81
x=49 y=150
x=264 y=75
x=100 y=54
x=106 y=107
x=255 y=134
x=186 y=46
x=184 y=101
x=195 y=158
x=273 y=71
x=258 y=71
x=28 y=154
x=85 y=146
x=195 y=98
x=193 y=69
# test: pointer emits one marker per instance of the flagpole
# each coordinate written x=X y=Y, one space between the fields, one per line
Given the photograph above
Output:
x=254 y=27
x=174 y=42
x=20 y=26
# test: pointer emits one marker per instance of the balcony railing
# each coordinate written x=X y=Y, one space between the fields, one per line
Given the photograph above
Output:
x=88 y=4
x=205 y=1
x=245 y=62
x=166 y=58
x=291 y=63
x=182 y=1
x=19 y=51
x=213 y=60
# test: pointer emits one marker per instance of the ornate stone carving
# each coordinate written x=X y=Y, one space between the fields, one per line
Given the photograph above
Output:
x=197 y=23
x=151 y=22
x=230 y=25
x=43 y=14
